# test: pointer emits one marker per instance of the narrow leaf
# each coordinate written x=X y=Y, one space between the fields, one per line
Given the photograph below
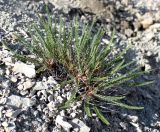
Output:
x=100 y=116
x=127 y=106
x=87 y=108
x=109 y=98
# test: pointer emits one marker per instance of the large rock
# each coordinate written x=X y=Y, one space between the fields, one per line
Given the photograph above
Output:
x=27 y=70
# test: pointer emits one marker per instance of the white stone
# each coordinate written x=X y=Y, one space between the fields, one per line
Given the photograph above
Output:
x=73 y=115
x=50 y=98
x=5 y=124
x=20 y=87
x=52 y=81
x=28 y=84
x=3 y=100
x=14 y=79
x=51 y=106
x=27 y=70
x=133 y=118
x=20 y=102
x=13 y=114
x=138 y=129
x=76 y=123
x=64 y=124
x=1 y=108
x=40 y=86
x=8 y=61
x=147 y=20
x=60 y=99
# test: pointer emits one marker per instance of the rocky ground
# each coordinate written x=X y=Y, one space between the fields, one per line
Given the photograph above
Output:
x=29 y=103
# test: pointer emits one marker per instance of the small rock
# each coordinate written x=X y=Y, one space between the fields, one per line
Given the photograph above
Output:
x=138 y=129
x=50 y=98
x=7 y=72
x=148 y=37
x=11 y=127
x=62 y=113
x=52 y=106
x=128 y=32
x=23 y=92
x=40 y=86
x=73 y=115
x=156 y=124
x=8 y=61
x=64 y=124
x=14 y=79
x=27 y=70
x=149 y=53
x=132 y=118
x=76 y=123
x=125 y=24
x=13 y=114
x=123 y=125
x=60 y=99
x=136 y=25
x=28 y=84
x=1 y=108
x=20 y=87
x=6 y=84
x=147 y=20
x=4 y=124
x=3 y=100
x=125 y=2
x=19 y=102
x=52 y=81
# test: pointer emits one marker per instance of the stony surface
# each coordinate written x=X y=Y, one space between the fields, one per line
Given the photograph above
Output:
x=29 y=103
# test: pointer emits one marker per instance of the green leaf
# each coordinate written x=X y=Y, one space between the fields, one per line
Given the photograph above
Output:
x=127 y=106
x=109 y=98
x=87 y=108
x=100 y=116
x=141 y=84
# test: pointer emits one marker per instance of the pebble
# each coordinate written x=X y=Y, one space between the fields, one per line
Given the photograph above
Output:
x=8 y=61
x=73 y=115
x=60 y=99
x=28 y=84
x=80 y=125
x=13 y=114
x=40 y=86
x=52 y=106
x=20 y=87
x=51 y=81
x=147 y=20
x=1 y=109
x=3 y=100
x=64 y=124
x=50 y=98
x=14 y=79
x=4 y=124
x=128 y=32
x=123 y=125
x=132 y=118
x=20 y=102
x=136 y=125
